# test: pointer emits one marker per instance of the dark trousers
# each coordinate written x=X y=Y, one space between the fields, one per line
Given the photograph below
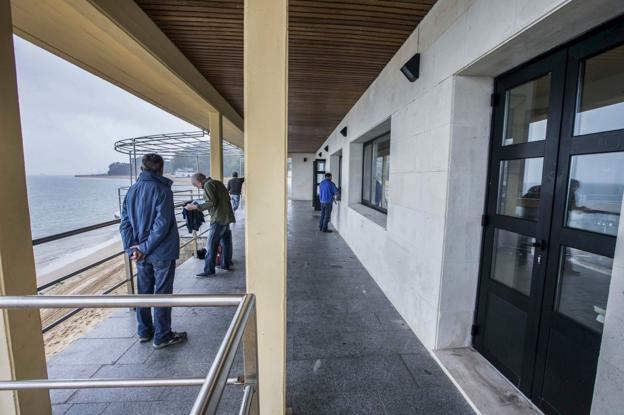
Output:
x=218 y=235
x=326 y=210
x=155 y=277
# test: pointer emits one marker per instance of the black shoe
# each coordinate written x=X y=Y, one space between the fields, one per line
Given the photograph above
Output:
x=204 y=274
x=327 y=231
x=146 y=338
x=174 y=339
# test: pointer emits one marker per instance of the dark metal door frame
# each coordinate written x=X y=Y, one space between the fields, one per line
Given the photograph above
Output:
x=316 y=202
x=546 y=149
x=561 y=235
x=557 y=150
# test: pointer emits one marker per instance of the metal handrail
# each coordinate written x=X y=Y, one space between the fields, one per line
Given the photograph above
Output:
x=208 y=398
x=101 y=383
x=73 y=232
x=210 y=393
x=85 y=229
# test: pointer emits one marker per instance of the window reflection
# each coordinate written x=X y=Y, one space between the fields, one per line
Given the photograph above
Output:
x=519 y=188
x=512 y=260
x=600 y=103
x=526 y=112
x=376 y=177
x=595 y=191
x=584 y=280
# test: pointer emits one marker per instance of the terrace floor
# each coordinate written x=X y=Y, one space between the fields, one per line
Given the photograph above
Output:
x=349 y=351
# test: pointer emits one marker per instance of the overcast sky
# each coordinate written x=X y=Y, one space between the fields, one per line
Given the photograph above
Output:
x=71 y=118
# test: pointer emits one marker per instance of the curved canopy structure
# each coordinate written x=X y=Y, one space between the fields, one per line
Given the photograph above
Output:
x=185 y=144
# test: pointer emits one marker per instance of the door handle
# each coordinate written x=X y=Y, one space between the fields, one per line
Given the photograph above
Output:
x=541 y=244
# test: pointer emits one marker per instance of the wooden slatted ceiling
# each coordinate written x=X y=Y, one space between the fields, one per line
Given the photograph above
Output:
x=336 y=49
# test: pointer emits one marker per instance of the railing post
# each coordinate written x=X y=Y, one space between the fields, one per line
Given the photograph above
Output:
x=195 y=244
x=250 y=357
x=129 y=274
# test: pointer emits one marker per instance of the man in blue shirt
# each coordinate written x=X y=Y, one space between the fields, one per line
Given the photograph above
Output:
x=149 y=233
x=327 y=192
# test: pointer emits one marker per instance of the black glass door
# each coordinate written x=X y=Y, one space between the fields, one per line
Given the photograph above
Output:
x=521 y=187
x=555 y=190
x=318 y=176
x=588 y=202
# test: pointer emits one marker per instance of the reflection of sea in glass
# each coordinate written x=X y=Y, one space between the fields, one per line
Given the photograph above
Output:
x=595 y=191
x=512 y=260
x=526 y=112
x=377 y=172
x=600 y=103
x=583 y=287
x=519 y=188
x=366 y=190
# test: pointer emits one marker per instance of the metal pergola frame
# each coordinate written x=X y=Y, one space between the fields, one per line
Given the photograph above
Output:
x=185 y=144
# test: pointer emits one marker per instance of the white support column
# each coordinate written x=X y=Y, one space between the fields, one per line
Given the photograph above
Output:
x=266 y=119
x=21 y=343
x=216 y=145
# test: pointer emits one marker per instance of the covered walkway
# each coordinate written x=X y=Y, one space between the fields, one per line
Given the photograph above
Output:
x=349 y=352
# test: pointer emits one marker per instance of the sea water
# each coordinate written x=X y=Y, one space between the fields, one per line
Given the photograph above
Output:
x=62 y=203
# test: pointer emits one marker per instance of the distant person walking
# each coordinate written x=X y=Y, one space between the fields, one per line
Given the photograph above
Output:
x=149 y=233
x=217 y=203
x=327 y=194
x=235 y=187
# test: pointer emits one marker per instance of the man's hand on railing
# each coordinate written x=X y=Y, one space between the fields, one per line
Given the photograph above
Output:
x=191 y=206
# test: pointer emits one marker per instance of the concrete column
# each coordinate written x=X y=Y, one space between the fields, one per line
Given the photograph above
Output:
x=266 y=118
x=216 y=145
x=21 y=343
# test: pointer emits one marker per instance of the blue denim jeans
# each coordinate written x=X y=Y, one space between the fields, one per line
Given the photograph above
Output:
x=326 y=210
x=155 y=277
x=218 y=235
x=235 y=200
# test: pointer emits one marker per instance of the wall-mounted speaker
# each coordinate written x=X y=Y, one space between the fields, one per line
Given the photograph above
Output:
x=305 y=159
x=326 y=148
x=344 y=131
x=411 y=69
x=321 y=154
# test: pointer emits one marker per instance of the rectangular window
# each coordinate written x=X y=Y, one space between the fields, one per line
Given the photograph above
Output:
x=376 y=173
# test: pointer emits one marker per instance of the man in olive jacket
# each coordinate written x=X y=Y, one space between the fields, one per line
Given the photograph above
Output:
x=217 y=203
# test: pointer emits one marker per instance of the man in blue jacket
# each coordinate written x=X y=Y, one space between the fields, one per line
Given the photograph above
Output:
x=149 y=233
x=327 y=192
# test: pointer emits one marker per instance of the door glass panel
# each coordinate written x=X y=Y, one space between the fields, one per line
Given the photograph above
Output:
x=584 y=280
x=519 y=188
x=526 y=112
x=600 y=102
x=512 y=260
x=595 y=191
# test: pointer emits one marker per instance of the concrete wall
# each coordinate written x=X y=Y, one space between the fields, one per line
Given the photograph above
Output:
x=424 y=253
x=301 y=185
x=609 y=386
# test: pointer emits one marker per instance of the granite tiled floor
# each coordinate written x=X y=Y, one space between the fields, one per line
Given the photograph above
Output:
x=349 y=351
x=112 y=350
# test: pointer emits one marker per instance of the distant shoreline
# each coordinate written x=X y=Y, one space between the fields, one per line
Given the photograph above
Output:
x=175 y=179
x=101 y=176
